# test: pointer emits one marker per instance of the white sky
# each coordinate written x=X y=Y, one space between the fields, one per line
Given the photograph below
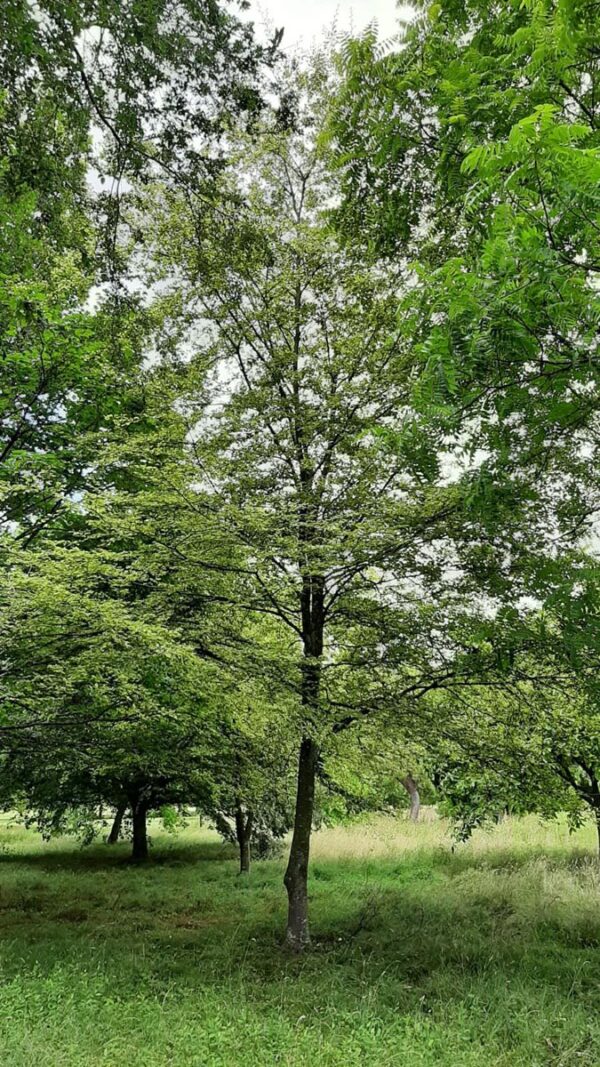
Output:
x=305 y=21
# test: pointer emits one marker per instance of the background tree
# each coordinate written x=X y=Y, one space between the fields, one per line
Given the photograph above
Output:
x=531 y=744
x=94 y=94
x=98 y=706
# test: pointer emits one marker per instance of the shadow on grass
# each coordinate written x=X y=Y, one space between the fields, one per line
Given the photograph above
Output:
x=102 y=856
x=416 y=862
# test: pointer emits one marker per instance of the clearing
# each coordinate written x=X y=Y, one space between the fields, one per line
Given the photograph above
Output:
x=488 y=955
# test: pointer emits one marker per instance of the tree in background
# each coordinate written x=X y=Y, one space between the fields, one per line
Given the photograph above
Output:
x=532 y=745
x=98 y=706
x=359 y=774
x=91 y=91
x=95 y=96
x=253 y=802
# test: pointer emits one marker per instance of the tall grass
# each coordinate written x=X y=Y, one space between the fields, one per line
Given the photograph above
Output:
x=485 y=955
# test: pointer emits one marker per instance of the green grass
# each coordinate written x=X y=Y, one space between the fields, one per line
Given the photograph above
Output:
x=488 y=955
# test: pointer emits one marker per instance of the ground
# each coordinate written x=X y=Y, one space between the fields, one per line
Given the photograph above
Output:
x=485 y=955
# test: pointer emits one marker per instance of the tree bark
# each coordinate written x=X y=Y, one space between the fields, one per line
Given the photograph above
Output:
x=115 y=831
x=415 y=801
x=312 y=615
x=243 y=832
x=139 y=851
x=296 y=876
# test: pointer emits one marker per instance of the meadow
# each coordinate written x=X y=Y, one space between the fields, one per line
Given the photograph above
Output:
x=488 y=954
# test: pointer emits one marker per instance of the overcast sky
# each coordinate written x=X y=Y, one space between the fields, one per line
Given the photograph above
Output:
x=305 y=20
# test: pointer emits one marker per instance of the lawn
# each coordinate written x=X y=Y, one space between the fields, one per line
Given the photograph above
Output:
x=485 y=955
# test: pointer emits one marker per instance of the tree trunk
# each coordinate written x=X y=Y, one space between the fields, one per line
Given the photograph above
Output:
x=312 y=613
x=115 y=831
x=296 y=876
x=415 y=801
x=245 y=856
x=597 y=813
x=243 y=832
x=139 y=851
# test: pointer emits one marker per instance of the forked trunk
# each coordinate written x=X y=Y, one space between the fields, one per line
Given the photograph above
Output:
x=139 y=851
x=415 y=800
x=296 y=876
x=115 y=831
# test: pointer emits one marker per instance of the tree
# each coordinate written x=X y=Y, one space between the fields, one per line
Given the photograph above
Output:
x=534 y=746
x=62 y=378
x=530 y=753
x=94 y=96
x=253 y=799
x=473 y=152
x=159 y=82
x=98 y=706
x=107 y=92
x=322 y=488
x=412 y=789
x=366 y=771
x=115 y=830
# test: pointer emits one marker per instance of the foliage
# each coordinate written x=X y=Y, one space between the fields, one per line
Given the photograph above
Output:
x=94 y=94
x=97 y=705
x=491 y=115
x=535 y=744
x=160 y=80
x=299 y=417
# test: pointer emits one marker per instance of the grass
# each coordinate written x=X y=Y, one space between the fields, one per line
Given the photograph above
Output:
x=488 y=955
